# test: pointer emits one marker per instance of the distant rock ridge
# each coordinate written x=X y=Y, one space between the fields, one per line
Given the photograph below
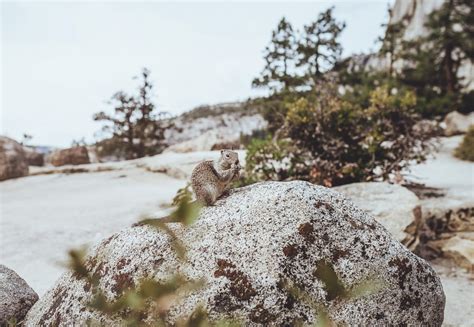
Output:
x=204 y=127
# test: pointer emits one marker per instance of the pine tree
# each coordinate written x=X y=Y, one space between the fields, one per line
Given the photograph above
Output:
x=391 y=42
x=319 y=48
x=278 y=73
x=451 y=38
x=434 y=59
x=136 y=129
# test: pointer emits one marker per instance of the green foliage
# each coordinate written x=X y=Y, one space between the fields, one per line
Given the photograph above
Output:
x=278 y=73
x=335 y=290
x=433 y=105
x=246 y=139
x=359 y=84
x=328 y=140
x=467 y=103
x=186 y=212
x=269 y=159
x=149 y=296
x=465 y=150
x=273 y=109
x=392 y=41
x=319 y=48
x=135 y=129
x=296 y=62
x=450 y=37
x=432 y=61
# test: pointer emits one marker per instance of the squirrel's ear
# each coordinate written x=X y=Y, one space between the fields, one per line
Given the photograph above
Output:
x=222 y=151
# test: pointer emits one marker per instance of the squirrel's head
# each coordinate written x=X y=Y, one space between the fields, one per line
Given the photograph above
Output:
x=229 y=157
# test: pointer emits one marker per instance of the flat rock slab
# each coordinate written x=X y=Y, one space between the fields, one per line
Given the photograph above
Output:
x=394 y=206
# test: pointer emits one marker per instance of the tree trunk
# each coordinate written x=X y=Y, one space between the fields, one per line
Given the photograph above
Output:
x=449 y=72
x=448 y=69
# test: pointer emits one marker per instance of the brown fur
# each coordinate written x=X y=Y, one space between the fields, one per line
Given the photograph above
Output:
x=210 y=179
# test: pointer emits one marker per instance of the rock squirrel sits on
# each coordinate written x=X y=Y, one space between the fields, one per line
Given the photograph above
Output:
x=211 y=179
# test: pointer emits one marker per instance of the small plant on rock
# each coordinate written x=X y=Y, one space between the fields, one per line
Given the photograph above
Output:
x=149 y=297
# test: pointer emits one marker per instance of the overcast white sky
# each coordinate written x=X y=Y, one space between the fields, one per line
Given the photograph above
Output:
x=60 y=62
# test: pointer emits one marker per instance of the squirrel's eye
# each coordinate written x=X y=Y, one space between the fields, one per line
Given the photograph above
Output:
x=227 y=155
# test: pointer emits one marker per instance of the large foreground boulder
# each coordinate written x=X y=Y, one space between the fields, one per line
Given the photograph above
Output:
x=16 y=296
x=394 y=206
x=248 y=248
x=73 y=156
x=13 y=161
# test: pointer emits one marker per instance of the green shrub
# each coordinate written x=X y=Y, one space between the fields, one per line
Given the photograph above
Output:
x=465 y=150
x=433 y=105
x=246 y=139
x=135 y=128
x=269 y=159
x=330 y=141
x=467 y=103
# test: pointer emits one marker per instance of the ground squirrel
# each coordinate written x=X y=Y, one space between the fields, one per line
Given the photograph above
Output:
x=210 y=179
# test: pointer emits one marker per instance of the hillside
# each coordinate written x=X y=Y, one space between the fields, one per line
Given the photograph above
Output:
x=204 y=127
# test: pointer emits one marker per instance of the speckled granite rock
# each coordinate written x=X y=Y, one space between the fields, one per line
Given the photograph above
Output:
x=16 y=296
x=249 y=243
x=13 y=161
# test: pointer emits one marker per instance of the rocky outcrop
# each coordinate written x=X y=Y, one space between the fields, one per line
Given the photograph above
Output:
x=457 y=123
x=205 y=127
x=441 y=224
x=447 y=204
x=72 y=156
x=253 y=249
x=204 y=142
x=13 y=161
x=394 y=206
x=33 y=157
x=415 y=13
x=16 y=296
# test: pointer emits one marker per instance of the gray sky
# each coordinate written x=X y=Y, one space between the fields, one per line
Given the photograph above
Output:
x=61 y=61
